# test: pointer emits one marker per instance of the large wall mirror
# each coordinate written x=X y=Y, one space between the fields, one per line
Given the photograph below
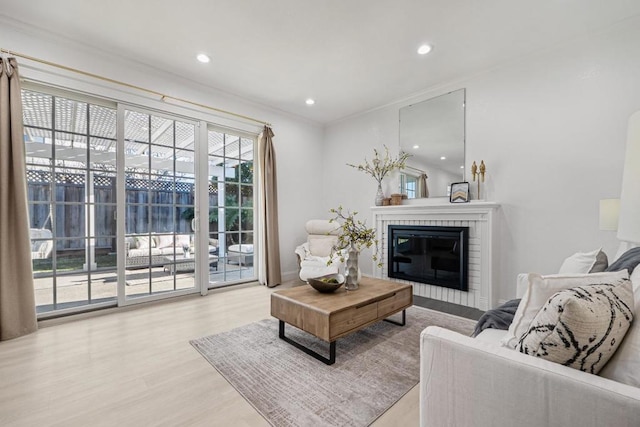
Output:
x=432 y=131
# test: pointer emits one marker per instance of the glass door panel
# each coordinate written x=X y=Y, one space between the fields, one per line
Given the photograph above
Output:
x=70 y=156
x=159 y=190
x=231 y=207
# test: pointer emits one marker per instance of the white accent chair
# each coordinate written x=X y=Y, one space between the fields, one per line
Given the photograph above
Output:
x=313 y=255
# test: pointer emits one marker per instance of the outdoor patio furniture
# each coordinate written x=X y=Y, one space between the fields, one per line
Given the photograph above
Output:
x=184 y=264
x=241 y=254
x=41 y=243
x=143 y=250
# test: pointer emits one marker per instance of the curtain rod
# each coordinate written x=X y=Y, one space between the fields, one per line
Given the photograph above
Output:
x=163 y=97
x=415 y=169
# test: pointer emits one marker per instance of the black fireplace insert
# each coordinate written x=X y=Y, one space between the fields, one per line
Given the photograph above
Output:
x=429 y=254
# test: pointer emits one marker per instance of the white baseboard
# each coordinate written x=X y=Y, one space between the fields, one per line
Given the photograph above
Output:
x=289 y=275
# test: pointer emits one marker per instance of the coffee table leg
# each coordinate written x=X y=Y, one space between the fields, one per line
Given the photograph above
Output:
x=404 y=319
x=332 y=347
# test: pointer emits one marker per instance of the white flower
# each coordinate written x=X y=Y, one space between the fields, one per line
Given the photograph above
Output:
x=354 y=232
x=379 y=168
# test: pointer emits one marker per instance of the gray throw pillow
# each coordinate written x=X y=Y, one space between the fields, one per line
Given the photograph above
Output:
x=629 y=260
x=581 y=327
x=601 y=264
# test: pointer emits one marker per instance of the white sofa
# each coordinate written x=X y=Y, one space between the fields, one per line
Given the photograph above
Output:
x=476 y=382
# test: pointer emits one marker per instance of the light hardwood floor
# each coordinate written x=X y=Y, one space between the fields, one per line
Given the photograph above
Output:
x=135 y=367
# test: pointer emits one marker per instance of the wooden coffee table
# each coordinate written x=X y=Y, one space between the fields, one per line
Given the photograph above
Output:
x=336 y=315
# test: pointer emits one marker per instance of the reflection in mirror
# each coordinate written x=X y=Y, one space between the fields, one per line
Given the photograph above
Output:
x=433 y=132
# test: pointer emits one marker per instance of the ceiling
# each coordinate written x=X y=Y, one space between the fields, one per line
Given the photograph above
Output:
x=348 y=55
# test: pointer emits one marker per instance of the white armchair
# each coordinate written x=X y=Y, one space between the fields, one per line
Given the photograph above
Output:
x=313 y=255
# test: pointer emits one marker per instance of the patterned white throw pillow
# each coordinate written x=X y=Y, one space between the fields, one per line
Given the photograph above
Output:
x=537 y=291
x=581 y=327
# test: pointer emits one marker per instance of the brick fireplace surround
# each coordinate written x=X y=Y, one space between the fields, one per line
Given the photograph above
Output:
x=479 y=216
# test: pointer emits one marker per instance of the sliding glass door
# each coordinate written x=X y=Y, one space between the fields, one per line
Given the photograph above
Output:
x=115 y=213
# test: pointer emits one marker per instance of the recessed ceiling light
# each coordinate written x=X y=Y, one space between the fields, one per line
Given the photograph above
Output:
x=415 y=147
x=462 y=167
x=203 y=58
x=310 y=101
x=443 y=158
x=424 y=49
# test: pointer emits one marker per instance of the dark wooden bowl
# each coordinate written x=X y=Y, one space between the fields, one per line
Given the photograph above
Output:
x=323 y=286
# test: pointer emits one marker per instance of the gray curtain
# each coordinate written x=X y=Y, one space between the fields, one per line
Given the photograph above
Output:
x=423 y=190
x=269 y=273
x=17 y=301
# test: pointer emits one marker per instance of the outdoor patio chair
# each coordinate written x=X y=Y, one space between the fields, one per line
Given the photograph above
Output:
x=41 y=243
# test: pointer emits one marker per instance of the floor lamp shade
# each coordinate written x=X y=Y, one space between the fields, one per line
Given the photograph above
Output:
x=609 y=214
x=629 y=222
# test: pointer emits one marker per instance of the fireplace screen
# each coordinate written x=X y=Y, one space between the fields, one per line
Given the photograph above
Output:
x=428 y=254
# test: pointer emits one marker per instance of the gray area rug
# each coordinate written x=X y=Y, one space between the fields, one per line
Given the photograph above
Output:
x=374 y=368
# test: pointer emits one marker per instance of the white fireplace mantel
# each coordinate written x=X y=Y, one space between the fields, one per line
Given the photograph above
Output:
x=479 y=216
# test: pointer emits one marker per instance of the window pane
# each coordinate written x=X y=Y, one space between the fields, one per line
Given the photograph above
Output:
x=231 y=196
x=71 y=116
x=247 y=149
x=136 y=127
x=246 y=193
x=104 y=187
x=247 y=238
x=246 y=172
x=162 y=219
x=102 y=121
x=38 y=146
x=137 y=156
x=246 y=219
x=216 y=143
x=162 y=131
x=185 y=191
x=232 y=219
x=70 y=186
x=183 y=217
x=231 y=146
x=137 y=218
x=102 y=154
x=161 y=159
x=39 y=184
x=37 y=109
x=185 y=136
x=162 y=189
x=104 y=220
x=70 y=220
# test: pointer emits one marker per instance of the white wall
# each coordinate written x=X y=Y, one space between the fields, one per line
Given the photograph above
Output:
x=298 y=142
x=551 y=129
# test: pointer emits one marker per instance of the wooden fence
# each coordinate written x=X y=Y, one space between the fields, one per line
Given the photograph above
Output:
x=70 y=208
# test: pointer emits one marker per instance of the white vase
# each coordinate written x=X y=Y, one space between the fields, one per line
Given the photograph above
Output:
x=379 y=196
x=351 y=271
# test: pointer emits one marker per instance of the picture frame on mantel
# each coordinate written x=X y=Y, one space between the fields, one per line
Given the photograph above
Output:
x=459 y=192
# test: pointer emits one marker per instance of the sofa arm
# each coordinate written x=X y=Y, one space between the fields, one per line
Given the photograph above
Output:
x=466 y=382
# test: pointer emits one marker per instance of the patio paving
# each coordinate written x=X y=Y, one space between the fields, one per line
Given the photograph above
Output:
x=72 y=289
